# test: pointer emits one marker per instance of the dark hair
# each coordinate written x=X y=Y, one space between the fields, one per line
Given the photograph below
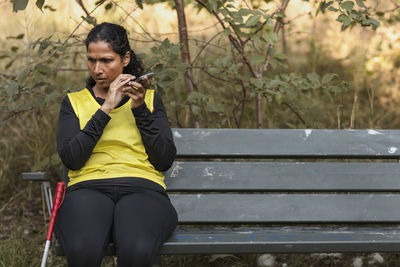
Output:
x=116 y=36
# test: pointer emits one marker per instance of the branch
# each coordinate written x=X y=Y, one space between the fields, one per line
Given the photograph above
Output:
x=80 y=3
x=396 y=6
x=297 y=114
x=137 y=22
x=69 y=37
x=16 y=113
x=211 y=75
x=265 y=22
x=276 y=30
x=231 y=38
x=204 y=46
x=242 y=104
x=238 y=46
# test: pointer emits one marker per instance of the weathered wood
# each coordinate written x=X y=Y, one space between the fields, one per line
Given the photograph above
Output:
x=254 y=143
x=283 y=176
x=34 y=176
x=283 y=240
x=211 y=240
x=287 y=208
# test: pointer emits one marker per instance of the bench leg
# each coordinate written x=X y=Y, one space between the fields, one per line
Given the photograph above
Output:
x=48 y=196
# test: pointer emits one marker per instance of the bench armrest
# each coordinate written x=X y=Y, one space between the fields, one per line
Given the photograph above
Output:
x=34 y=176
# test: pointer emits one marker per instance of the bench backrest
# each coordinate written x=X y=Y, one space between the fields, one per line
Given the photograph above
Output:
x=237 y=176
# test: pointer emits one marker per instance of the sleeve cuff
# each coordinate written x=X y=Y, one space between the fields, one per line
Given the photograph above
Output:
x=102 y=117
x=141 y=110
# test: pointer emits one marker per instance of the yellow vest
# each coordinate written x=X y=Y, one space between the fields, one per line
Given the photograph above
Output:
x=120 y=151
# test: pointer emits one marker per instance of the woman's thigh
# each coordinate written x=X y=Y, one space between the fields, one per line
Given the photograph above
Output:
x=83 y=226
x=142 y=222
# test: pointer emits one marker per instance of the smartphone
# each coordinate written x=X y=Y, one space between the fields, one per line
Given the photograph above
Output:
x=148 y=75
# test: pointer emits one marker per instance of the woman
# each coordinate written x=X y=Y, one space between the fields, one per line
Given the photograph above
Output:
x=115 y=139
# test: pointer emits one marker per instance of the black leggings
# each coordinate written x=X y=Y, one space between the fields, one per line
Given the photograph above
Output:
x=138 y=220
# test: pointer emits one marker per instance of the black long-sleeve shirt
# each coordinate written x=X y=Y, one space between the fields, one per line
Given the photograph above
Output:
x=75 y=145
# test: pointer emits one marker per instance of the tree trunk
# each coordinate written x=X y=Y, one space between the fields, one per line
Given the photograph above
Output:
x=185 y=54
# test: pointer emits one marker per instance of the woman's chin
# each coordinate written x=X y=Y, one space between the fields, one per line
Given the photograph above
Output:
x=103 y=84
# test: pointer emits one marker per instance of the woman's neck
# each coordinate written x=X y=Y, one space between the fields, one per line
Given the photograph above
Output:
x=100 y=92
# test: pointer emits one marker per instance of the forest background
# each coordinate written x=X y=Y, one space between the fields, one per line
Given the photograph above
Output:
x=219 y=64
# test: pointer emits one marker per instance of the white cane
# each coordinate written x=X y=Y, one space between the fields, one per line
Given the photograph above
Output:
x=56 y=205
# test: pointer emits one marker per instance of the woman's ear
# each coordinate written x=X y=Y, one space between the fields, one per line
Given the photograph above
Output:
x=126 y=59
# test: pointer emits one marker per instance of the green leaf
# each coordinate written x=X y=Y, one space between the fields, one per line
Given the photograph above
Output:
x=258 y=83
x=375 y=23
x=274 y=84
x=43 y=69
x=227 y=31
x=324 y=5
x=9 y=64
x=55 y=159
x=4 y=56
x=18 y=37
x=227 y=61
x=327 y=78
x=12 y=89
x=257 y=59
x=39 y=4
x=280 y=56
x=90 y=20
x=253 y=20
x=270 y=37
x=196 y=110
x=100 y=2
x=196 y=97
x=14 y=49
x=19 y=5
x=139 y=3
x=108 y=6
x=348 y=5
x=360 y=3
x=245 y=11
x=345 y=20
x=331 y=8
x=49 y=8
x=313 y=77
x=23 y=75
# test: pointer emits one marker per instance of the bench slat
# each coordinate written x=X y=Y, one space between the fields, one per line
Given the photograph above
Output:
x=287 y=208
x=283 y=176
x=247 y=143
x=34 y=176
x=276 y=240
x=283 y=240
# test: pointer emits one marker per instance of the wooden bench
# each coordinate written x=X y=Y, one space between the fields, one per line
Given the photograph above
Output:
x=284 y=191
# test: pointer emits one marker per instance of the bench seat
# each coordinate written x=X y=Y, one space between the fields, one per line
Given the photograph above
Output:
x=284 y=191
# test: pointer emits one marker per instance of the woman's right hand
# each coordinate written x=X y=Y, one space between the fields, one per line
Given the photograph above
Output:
x=115 y=92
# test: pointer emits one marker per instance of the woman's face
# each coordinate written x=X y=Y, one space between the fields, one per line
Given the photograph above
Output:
x=104 y=63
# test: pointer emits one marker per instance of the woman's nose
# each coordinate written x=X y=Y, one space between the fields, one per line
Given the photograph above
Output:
x=98 y=68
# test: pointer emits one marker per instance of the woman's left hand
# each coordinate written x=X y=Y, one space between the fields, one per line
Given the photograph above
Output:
x=137 y=92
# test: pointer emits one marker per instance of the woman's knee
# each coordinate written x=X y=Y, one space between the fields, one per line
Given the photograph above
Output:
x=83 y=253
x=137 y=254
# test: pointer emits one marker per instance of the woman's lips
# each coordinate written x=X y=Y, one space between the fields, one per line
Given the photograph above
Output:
x=101 y=80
